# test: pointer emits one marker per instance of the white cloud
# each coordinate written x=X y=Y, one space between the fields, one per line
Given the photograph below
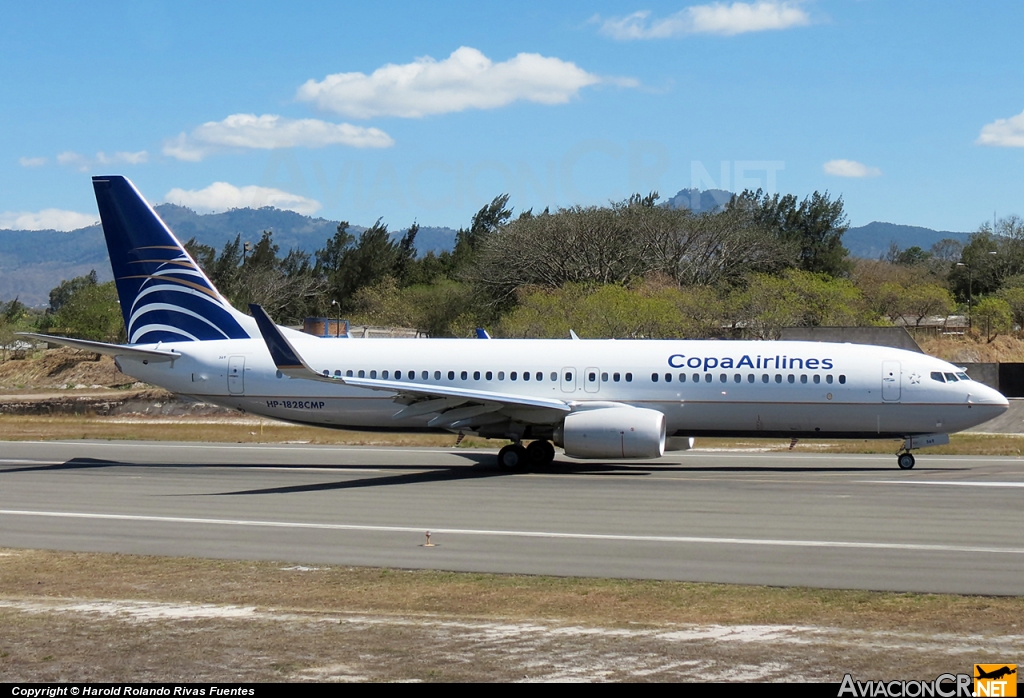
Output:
x=270 y=131
x=850 y=168
x=1007 y=133
x=32 y=162
x=467 y=79
x=221 y=196
x=84 y=164
x=716 y=18
x=47 y=219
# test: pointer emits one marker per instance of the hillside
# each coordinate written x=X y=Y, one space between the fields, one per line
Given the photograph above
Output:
x=33 y=262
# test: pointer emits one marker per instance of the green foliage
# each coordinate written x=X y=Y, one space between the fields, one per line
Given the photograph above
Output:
x=441 y=309
x=797 y=299
x=992 y=315
x=814 y=226
x=87 y=310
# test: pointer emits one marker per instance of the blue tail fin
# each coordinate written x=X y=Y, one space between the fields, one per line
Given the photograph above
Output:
x=165 y=296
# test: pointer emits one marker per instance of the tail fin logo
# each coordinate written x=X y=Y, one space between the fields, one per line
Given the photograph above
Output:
x=165 y=296
x=175 y=301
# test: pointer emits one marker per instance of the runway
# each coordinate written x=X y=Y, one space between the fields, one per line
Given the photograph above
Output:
x=953 y=524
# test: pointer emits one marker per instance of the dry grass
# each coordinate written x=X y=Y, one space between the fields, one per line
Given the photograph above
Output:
x=607 y=602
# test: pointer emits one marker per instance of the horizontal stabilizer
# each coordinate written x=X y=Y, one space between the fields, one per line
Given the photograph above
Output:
x=104 y=348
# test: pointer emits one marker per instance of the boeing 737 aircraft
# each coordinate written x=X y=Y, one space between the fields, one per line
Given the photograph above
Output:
x=605 y=399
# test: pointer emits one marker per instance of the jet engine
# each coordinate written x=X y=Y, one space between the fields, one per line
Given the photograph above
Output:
x=613 y=432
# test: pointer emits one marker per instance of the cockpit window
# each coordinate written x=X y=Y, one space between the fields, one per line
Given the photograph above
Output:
x=951 y=378
x=937 y=376
x=963 y=376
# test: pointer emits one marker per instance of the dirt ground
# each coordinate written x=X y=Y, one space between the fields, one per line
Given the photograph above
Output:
x=98 y=617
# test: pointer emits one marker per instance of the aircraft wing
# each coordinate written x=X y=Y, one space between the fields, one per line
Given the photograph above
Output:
x=290 y=363
x=104 y=348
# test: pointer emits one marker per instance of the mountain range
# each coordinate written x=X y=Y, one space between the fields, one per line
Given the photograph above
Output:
x=32 y=262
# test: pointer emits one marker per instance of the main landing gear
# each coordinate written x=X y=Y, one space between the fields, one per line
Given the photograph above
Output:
x=517 y=457
x=905 y=460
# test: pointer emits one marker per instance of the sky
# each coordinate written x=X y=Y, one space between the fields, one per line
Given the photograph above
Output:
x=912 y=112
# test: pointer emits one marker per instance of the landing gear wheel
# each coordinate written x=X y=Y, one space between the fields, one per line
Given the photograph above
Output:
x=513 y=457
x=905 y=461
x=541 y=453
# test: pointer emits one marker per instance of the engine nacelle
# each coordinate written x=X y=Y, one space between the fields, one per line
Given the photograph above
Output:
x=613 y=432
x=679 y=443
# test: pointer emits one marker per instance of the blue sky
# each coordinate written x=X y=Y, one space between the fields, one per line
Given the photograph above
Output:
x=913 y=112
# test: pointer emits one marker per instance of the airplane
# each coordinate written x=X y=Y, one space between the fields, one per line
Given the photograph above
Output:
x=594 y=398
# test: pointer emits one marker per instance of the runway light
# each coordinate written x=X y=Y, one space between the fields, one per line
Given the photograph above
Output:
x=428 y=544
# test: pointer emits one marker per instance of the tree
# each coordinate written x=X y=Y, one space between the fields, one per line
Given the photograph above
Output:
x=60 y=295
x=815 y=226
x=994 y=315
x=91 y=311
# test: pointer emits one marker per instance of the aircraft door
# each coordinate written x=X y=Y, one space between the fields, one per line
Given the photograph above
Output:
x=569 y=380
x=236 y=375
x=891 y=381
x=592 y=380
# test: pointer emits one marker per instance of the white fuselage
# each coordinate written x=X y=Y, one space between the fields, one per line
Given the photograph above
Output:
x=702 y=387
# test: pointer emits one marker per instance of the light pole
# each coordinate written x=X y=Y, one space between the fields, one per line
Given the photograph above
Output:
x=970 y=291
x=337 y=322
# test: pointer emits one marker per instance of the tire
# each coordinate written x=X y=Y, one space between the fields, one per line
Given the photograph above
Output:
x=541 y=453
x=513 y=457
x=905 y=461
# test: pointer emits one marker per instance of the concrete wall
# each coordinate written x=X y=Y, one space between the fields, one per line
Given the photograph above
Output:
x=983 y=373
x=896 y=337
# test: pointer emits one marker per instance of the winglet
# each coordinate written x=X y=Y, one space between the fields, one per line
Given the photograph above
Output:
x=481 y=333
x=285 y=357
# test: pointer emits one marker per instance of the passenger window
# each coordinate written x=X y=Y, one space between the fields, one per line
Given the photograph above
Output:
x=337 y=373
x=604 y=377
x=654 y=377
x=707 y=377
x=488 y=375
x=512 y=376
x=501 y=375
x=327 y=372
x=526 y=375
x=539 y=376
x=426 y=375
x=828 y=379
x=778 y=377
x=668 y=377
x=737 y=378
x=817 y=378
x=362 y=373
x=696 y=378
x=463 y=375
x=803 y=378
x=554 y=376
x=373 y=374
x=437 y=375
x=723 y=378
x=398 y=375
x=629 y=377
x=476 y=375
x=615 y=377
x=349 y=373
x=384 y=375
x=842 y=378
x=950 y=378
x=750 y=377
x=592 y=377
x=791 y=378
x=451 y=375
x=682 y=377
x=764 y=377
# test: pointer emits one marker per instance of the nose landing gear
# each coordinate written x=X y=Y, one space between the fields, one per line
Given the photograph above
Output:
x=905 y=460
